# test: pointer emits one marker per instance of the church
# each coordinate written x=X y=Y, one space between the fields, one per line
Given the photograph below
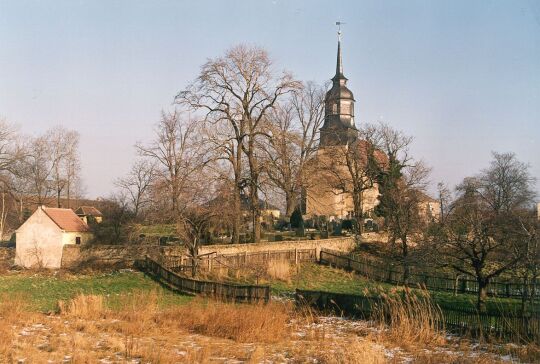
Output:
x=338 y=180
x=329 y=191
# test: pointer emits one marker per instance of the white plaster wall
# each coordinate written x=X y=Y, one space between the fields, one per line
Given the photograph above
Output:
x=70 y=237
x=39 y=242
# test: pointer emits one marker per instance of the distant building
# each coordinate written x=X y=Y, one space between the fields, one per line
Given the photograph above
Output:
x=40 y=240
x=89 y=214
x=266 y=208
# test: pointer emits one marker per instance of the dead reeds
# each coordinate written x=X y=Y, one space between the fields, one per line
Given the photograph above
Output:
x=409 y=319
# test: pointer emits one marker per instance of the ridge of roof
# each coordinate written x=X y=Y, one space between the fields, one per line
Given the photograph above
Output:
x=65 y=219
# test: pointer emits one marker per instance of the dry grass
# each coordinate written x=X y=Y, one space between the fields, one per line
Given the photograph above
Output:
x=410 y=320
x=238 y=322
x=351 y=352
x=279 y=270
x=90 y=328
x=90 y=307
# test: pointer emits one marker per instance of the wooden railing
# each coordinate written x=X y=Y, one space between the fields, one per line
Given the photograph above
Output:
x=380 y=273
x=509 y=325
x=222 y=291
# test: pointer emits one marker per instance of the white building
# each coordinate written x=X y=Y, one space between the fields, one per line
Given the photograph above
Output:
x=40 y=240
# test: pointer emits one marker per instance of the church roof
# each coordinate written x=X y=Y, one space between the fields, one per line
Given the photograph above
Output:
x=339 y=89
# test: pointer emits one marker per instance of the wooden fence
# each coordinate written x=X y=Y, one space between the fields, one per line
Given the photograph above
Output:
x=501 y=324
x=457 y=283
x=243 y=260
x=221 y=291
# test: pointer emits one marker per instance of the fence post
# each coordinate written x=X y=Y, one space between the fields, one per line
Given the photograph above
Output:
x=295 y=256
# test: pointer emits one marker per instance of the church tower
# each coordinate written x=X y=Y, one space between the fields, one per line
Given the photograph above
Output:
x=338 y=127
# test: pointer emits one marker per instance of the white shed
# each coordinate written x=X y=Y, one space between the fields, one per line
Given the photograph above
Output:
x=40 y=240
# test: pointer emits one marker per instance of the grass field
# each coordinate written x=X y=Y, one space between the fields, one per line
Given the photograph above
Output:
x=122 y=316
x=43 y=291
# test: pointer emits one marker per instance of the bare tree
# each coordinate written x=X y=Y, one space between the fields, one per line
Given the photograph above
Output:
x=528 y=258
x=11 y=154
x=401 y=182
x=239 y=90
x=63 y=153
x=38 y=169
x=11 y=150
x=177 y=154
x=507 y=184
x=294 y=129
x=192 y=225
x=485 y=235
x=137 y=184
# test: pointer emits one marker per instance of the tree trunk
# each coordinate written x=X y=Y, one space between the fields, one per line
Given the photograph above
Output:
x=482 y=294
x=525 y=294
x=405 y=261
x=235 y=239
x=256 y=214
x=290 y=204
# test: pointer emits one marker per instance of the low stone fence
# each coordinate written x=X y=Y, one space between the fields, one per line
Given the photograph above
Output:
x=7 y=258
x=78 y=256
x=74 y=256
x=343 y=244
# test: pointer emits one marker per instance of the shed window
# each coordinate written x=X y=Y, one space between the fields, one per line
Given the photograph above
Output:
x=77 y=240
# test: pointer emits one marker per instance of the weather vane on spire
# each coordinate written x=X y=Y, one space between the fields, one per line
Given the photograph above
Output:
x=339 y=24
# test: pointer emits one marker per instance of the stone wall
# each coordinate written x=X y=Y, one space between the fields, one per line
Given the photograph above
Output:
x=79 y=256
x=7 y=258
x=344 y=244
x=74 y=256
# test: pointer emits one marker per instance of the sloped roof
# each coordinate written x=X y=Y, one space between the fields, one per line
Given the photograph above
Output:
x=66 y=219
x=88 y=211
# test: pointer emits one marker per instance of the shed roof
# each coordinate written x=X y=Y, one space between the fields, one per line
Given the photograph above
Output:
x=88 y=211
x=66 y=219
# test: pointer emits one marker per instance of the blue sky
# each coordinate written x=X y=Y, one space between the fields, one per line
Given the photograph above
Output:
x=462 y=77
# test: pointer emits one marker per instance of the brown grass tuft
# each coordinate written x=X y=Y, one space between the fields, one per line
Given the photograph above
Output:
x=238 y=322
x=89 y=307
x=410 y=319
x=279 y=269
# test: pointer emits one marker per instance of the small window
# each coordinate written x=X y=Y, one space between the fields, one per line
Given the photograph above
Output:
x=78 y=240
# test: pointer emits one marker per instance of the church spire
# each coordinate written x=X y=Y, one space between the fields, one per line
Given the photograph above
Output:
x=338 y=127
x=339 y=64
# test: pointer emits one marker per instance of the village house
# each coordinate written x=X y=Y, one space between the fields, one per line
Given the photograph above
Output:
x=41 y=239
x=89 y=214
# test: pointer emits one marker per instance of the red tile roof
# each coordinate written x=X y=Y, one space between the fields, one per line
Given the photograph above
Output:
x=66 y=219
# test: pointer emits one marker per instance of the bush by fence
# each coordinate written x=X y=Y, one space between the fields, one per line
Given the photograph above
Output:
x=457 y=283
x=221 y=291
x=506 y=325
